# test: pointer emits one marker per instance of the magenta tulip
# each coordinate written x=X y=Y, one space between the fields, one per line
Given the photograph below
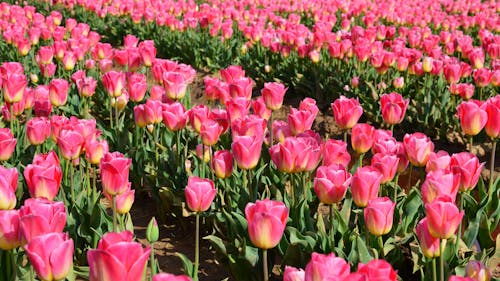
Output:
x=8 y=187
x=7 y=144
x=472 y=117
x=10 y=234
x=378 y=270
x=115 y=169
x=365 y=184
x=293 y=274
x=222 y=164
x=331 y=183
x=346 y=112
x=40 y=216
x=393 y=108
x=273 y=94
x=266 y=222
x=326 y=267
x=443 y=217
x=362 y=137
x=335 y=152
x=418 y=148
x=170 y=277
x=199 y=194
x=378 y=215
x=428 y=243
x=468 y=167
x=246 y=151
x=440 y=182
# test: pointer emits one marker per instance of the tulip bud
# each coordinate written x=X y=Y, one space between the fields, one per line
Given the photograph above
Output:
x=152 y=231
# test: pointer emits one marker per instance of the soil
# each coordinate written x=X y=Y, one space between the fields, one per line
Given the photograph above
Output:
x=179 y=238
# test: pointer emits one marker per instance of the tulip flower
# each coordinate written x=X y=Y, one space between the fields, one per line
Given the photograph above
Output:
x=335 y=152
x=468 y=167
x=115 y=170
x=175 y=85
x=438 y=161
x=114 y=83
x=51 y=255
x=378 y=215
x=58 y=91
x=40 y=216
x=365 y=184
x=170 y=277
x=266 y=222
x=8 y=186
x=237 y=107
x=418 y=148
x=346 y=112
x=10 y=234
x=393 y=108
x=117 y=257
x=249 y=125
x=95 y=150
x=362 y=138
x=137 y=86
x=477 y=271
x=222 y=164
x=199 y=194
x=428 y=243
x=492 y=108
x=259 y=108
x=331 y=183
x=210 y=132
x=459 y=278
x=326 y=267
x=246 y=151
x=44 y=176
x=273 y=94
x=124 y=201
x=241 y=88
x=472 y=117
x=38 y=130
x=7 y=144
x=174 y=116
x=443 y=217
x=231 y=73
x=70 y=143
x=378 y=270
x=293 y=274
x=197 y=115
x=387 y=165
x=440 y=182
x=14 y=85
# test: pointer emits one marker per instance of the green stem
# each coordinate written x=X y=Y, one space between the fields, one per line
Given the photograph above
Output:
x=87 y=179
x=345 y=136
x=177 y=147
x=111 y=113
x=409 y=177
x=197 y=247
x=434 y=275
x=271 y=140
x=333 y=207
x=459 y=236
x=117 y=117
x=442 y=246
x=152 y=261
x=264 y=263
x=381 y=244
x=471 y=143
x=492 y=167
x=11 y=119
x=71 y=188
x=360 y=160
x=113 y=203
x=392 y=128
x=245 y=185
x=396 y=179
x=304 y=185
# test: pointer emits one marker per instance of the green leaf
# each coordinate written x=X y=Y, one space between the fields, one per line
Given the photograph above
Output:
x=252 y=255
x=364 y=253
x=186 y=264
x=217 y=242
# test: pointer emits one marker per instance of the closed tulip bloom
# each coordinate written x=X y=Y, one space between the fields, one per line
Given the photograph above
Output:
x=452 y=73
x=418 y=148
x=175 y=85
x=326 y=267
x=241 y=88
x=300 y=120
x=170 y=277
x=362 y=138
x=8 y=186
x=137 y=86
x=197 y=115
x=459 y=278
x=259 y=108
x=378 y=215
x=365 y=184
x=293 y=274
x=70 y=143
x=222 y=164
x=477 y=271
x=38 y=130
x=273 y=94
x=468 y=167
x=378 y=270
x=51 y=255
x=492 y=108
x=13 y=86
x=393 y=108
x=86 y=86
x=115 y=169
x=443 y=217
x=199 y=194
x=117 y=257
x=335 y=152
x=249 y=125
x=210 y=132
x=438 y=183
x=175 y=116
x=231 y=73
x=114 y=83
x=237 y=107
x=428 y=243
x=10 y=234
x=40 y=216
x=147 y=51
x=95 y=150
x=44 y=176
x=438 y=161
x=58 y=91
x=124 y=201
x=472 y=117
x=246 y=151
x=387 y=165
x=266 y=222
x=204 y=152
x=331 y=183
x=346 y=112
x=7 y=144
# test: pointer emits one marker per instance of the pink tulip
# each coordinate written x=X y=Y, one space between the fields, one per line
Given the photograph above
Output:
x=44 y=176
x=472 y=117
x=58 y=91
x=418 y=148
x=387 y=165
x=459 y=278
x=477 y=271
x=210 y=132
x=10 y=234
x=273 y=94
x=231 y=73
x=249 y=125
x=331 y=183
x=95 y=150
x=38 y=130
x=115 y=169
x=222 y=164
x=237 y=107
x=204 y=152
x=355 y=276
x=335 y=152
x=241 y=88
x=51 y=255
x=174 y=116
x=362 y=137
x=199 y=194
x=220 y=115
x=393 y=108
x=346 y=112
x=468 y=167
x=293 y=274
x=281 y=130
x=452 y=73
x=8 y=186
x=246 y=151
x=175 y=84
x=40 y=216
x=326 y=267
x=117 y=257
x=259 y=108
x=114 y=83
x=300 y=120
x=70 y=143
x=378 y=215
x=428 y=244
x=438 y=161
x=197 y=115
x=124 y=201
x=14 y=86
x=378 y=270
x=7 y=144
x=266 y=222
x=443 y=217
x=147 y=52
x=170 y=277
x=365 y=184
x=492 y=108
x=440 y=182
x=86 y=86
x=137 y=86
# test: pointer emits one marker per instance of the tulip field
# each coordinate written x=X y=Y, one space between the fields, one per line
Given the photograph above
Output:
x=293 y=140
